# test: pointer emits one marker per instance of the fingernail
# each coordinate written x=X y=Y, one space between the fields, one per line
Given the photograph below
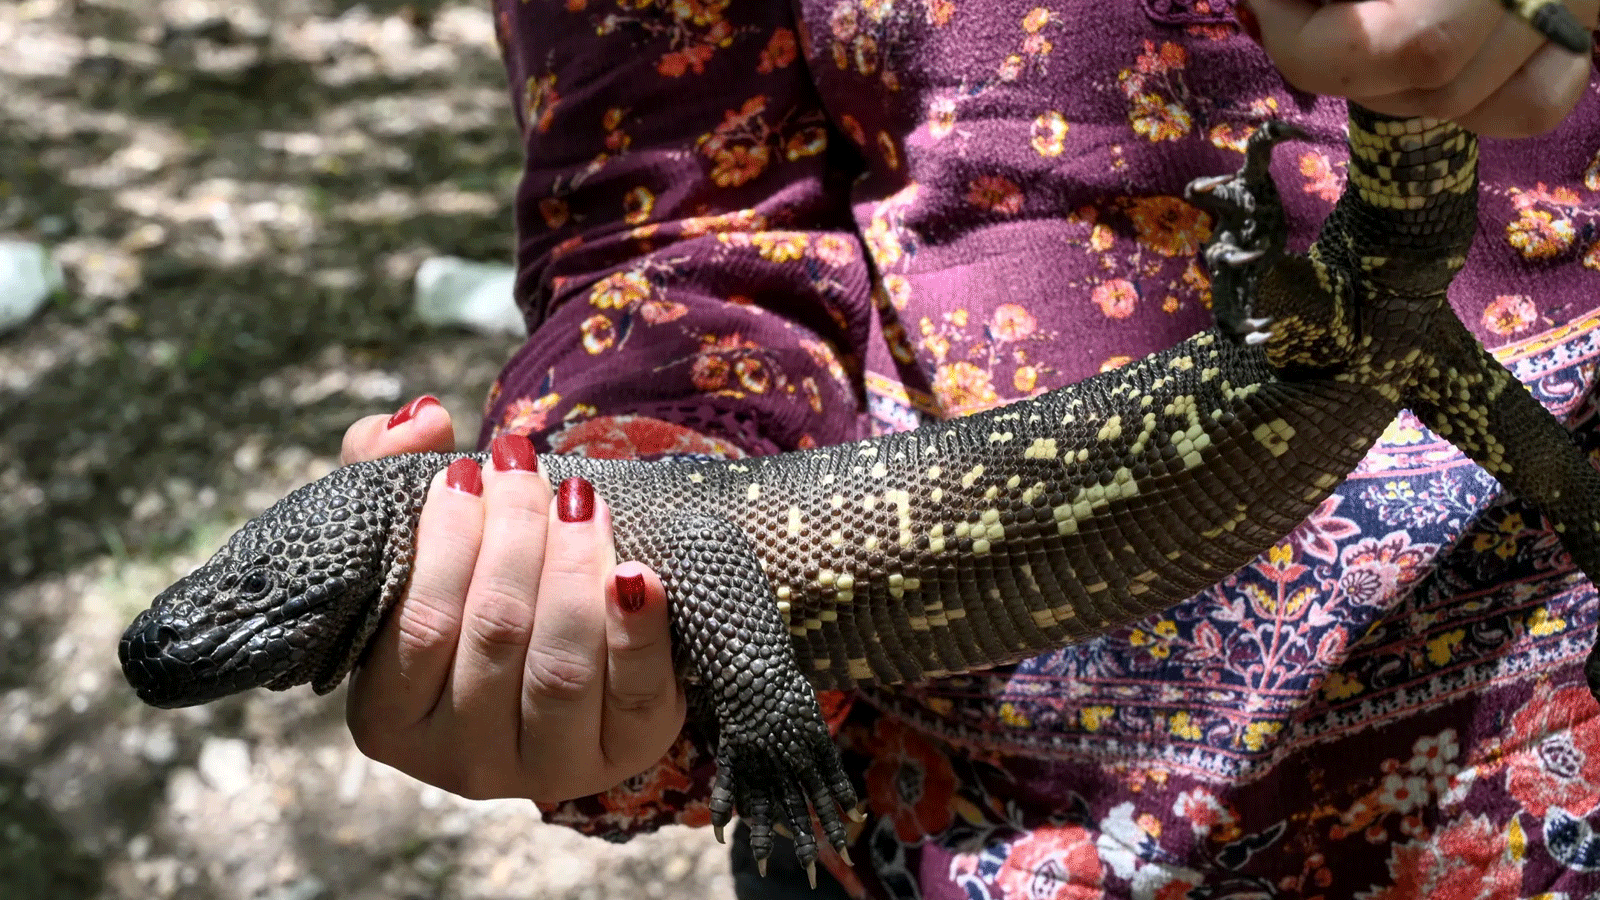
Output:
x=410 y=410
x=630 y=593
x=575 y=500
x=465 y=476
x=1248 y=23
x=513 y=451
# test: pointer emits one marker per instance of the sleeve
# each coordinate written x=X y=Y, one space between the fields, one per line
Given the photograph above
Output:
x=685 y=247
x=687 y=264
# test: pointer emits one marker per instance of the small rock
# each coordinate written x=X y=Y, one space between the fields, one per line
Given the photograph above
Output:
x=225 y=764
x=28 y=276
x=473 y=295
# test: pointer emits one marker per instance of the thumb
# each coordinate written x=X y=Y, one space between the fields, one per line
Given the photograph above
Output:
x=421 y=425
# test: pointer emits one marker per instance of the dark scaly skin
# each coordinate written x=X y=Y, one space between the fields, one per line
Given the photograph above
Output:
x=974 y=542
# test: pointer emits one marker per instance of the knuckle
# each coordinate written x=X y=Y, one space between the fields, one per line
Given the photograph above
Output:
x=634 y=701
x=560 y=673
x=1430 y=57
x=500 y=617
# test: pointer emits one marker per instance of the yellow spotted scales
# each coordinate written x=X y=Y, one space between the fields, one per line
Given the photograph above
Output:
x=978 y=541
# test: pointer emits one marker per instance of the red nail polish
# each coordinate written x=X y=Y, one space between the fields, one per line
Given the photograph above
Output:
x=1246 y=17
x=630 y=593
x=513 y=451
x=465 y=476
x=575 y=500
x=410 y=410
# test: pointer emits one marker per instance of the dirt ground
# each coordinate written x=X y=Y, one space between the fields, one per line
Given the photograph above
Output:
x=240 y=193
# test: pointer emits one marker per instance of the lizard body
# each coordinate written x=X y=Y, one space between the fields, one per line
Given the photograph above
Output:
x=977 y=541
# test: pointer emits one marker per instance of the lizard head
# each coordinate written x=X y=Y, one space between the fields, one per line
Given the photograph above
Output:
x=291 y=598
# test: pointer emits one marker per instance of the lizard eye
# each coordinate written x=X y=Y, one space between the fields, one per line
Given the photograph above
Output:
x=255 y=583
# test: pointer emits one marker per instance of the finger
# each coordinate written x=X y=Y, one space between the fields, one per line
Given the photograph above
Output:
x=485 y=690
x=1374 y=48
x=1515 y=81
x=565 y=670
x=644 y=705
x=421 y=425
x=405 y=672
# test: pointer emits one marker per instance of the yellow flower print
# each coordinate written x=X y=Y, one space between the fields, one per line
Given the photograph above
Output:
x=1095 y=716
x=877 y=10
x=637 y=205
x=865 y=52
x=1025 y=379
x=1182 y=725
x=524 y=415
x=1158 y=119
x=1117 y=298
x=1442 y=648
x=882 y=242
x=1036 y=19
x=619 y=290
x=1341 y=686
x=1509 y=314
x=599 y=335
x=1256 y=734
x=1168 y=225
x=1540 y=234
x=780 y=246
x=1011 y=69
x=940 y=11
x=1542 y=624
x=963 y=387
x=898 y=290
x=1101 y=237
x=752 y=375
x=995 y=193
x=1591 y=257
x=805 y=142
x=941 y=117
x=1014 y=717
x=1049 y=133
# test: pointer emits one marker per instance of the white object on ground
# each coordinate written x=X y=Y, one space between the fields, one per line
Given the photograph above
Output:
x=28 y=276
x=473 y=295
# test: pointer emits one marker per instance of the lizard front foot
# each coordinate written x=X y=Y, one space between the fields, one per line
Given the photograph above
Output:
x=1248 y=235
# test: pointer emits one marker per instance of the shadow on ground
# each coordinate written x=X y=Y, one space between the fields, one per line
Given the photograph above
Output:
x=240 y=194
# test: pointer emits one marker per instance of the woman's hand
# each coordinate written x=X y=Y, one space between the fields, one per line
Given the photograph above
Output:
x=1466 y=60
x=522 y=661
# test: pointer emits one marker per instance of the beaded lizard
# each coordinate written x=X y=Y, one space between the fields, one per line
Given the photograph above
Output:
x=978 y=541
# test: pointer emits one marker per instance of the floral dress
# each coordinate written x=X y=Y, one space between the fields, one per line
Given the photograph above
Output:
x=753 y=227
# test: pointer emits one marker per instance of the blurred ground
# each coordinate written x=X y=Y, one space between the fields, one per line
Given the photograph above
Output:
x=240 y=193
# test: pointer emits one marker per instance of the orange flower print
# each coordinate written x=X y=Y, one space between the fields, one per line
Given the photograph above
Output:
x=1591 y=257
x=1036 y=19
x=554 y=212
x=619 y=290
x=1467 y=859
x=738 y=165
x=1025 y=379
x=779 y=53
x=897 y=290
x=910 y=783
x=1540 y=234
x=963 y=387
x=1166 y=58
x=1168 y=225
x=524 y=416
x=660 y=312
x=1158 y=119
x=995 y=193
x=1117 y=297
x=1319 y=174
x=599 y=335
x=1012 y=323
x=678 y=63
x=752 y=375
x=1053 y=862
x=805 y=142
x=709 y=372
x=539 y=99
x=1049 y=134
x=1509 y=314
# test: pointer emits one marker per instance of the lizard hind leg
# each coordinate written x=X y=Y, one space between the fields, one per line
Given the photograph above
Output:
x=776 y=761
x=1478 y=405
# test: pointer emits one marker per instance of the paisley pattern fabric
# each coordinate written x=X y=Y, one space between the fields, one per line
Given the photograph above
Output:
x=752 y=227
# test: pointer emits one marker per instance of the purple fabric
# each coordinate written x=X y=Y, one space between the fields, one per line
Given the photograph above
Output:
x=749 y=227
